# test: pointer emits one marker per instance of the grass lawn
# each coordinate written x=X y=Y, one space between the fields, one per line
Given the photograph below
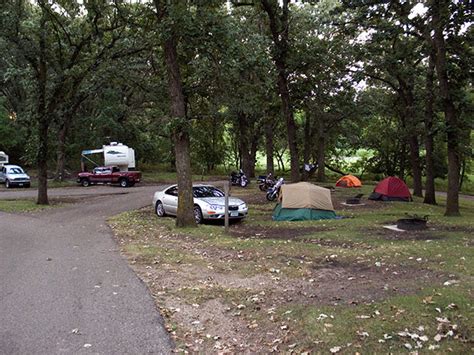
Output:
x=29 y=205
x=345 y=285
x=15 y=206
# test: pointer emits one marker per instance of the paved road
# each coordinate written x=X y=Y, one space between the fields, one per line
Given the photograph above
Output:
x=69 y=191
x=64 y=288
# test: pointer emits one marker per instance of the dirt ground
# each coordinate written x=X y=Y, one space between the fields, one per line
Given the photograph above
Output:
x=221 y=299
x=209 y=310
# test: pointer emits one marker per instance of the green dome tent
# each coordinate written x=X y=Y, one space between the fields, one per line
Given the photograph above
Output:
x=303 y=201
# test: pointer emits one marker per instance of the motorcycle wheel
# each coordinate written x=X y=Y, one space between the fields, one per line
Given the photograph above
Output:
x=243 y=182
x=271 y=196
x=262 y=187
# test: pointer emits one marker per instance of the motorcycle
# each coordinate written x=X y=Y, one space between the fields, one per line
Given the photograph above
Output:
x=273 y=192
x=239 y=179
x=266 y=182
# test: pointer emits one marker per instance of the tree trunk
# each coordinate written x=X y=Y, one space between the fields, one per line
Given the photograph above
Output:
x=430 y=194
x=337 y=171
x=253 y=157
x=61 y=152
x=290 y=125
x=281 y=163
x=403 y=152
x=269 y=147
x=415 y=165
x=409 y=123
x=441 y=8
x=321 y=174
x=462 y=174
x=321 y=152
x=42 y=161
x=279 y=28
x=244 y=142
x=307 y=145
x=43 y=119
x=172 y=155
x=185 y=214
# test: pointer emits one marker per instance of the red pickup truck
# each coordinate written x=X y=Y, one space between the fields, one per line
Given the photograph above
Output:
x=109 y=175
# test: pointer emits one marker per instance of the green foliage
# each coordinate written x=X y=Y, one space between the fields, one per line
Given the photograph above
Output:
x=345 y=61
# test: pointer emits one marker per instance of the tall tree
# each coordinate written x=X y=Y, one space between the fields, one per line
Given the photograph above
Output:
x=441 y=15
x=179 y=122
x=57 y=60
x=279 y=23
x=430 y=131
x=320 y=85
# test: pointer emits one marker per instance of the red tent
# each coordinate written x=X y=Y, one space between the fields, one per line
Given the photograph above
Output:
x=391 y=189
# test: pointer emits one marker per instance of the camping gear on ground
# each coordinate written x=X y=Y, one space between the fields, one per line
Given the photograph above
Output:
x=348 y=181
x=239 y=179
x=354 y=200
x=303 y=201
x=266 y=182
x=309 y=168
x=412 y=222
x=391 y=189
x=274 y=191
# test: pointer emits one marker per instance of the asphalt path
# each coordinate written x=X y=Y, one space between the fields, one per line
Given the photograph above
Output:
x=64 y=287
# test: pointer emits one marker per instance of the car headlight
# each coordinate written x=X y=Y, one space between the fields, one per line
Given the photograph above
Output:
x=243 y=206
x=216 y=207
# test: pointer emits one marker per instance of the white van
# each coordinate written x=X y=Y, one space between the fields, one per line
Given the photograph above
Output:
x=14 y=175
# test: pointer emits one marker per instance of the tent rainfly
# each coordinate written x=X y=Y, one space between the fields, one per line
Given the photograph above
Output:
x=348 y=181
x=303 y=201
x=391 y=189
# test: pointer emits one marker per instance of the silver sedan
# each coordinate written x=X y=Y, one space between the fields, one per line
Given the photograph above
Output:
x=208 y=203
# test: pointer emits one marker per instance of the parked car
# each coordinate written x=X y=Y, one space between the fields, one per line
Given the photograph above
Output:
x=109 y=175
x=14 y=175
x=209 y=203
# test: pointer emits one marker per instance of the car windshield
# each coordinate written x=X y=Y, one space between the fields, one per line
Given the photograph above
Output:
x=207 y=191
x=15 y=171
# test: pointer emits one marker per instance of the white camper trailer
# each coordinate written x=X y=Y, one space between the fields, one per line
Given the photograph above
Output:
x=117 y=154
x=3 y=159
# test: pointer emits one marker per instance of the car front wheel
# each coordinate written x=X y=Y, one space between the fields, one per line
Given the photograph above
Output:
x=160 y=209
x=198 y=215
x=124 y=183
x=85 y=182
x=7 y=184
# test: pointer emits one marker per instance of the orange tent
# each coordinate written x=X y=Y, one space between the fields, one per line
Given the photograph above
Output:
x=348 y=181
